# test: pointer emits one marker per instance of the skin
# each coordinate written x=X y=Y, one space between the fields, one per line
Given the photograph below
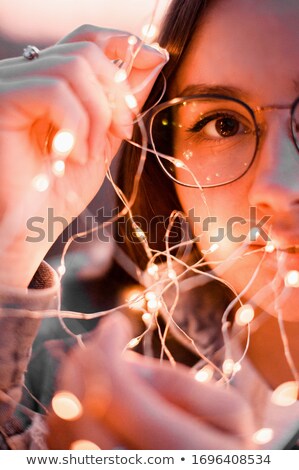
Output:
x=264 y=66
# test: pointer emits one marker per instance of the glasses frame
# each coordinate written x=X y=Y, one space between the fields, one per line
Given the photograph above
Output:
x=251 y=111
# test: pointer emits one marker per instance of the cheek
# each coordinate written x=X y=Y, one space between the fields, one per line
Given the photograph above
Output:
x=217 y=215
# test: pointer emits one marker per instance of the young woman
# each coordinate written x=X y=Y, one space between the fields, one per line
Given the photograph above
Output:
x=224 y=149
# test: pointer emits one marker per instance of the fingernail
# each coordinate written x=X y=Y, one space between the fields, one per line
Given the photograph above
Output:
x=164 y=52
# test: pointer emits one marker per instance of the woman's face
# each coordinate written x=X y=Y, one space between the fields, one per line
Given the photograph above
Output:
x=251 y=48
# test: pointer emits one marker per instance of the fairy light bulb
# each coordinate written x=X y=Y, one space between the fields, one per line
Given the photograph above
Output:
x=40 y=182
x=149 y=31
x=134 y=297
x=228 y=366
x=83 y=444
x=61 y=269
x=150 y=295
x=179 y=164
x=152 y=305
x=244 y=315
x=63 y=142
x=286 y=394
x=131 y=101
x=292 y=279
x=147 y=318
x=270 y=247
x=263 y=436
x=67 y=406
x=139 y=233
x=133 y=343
x=237 y=367
x=205 y=374
x=120 y=76
x=58 y=168
x=152 y=269
x=132 y=40
x=213 y=248
x=171 y=274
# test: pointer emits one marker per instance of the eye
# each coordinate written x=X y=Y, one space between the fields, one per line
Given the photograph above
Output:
x=219 y=126
x=225 y=127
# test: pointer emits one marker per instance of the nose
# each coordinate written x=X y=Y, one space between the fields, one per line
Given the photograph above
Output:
x=275 y=176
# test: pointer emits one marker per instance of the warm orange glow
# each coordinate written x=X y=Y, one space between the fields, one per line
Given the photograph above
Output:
x=83 y=444
x=205 y=374
x=285 y=394
x=58 y=168
x=292 y=279
x=131 y=101
x=63 y=142
x=67 y=406
x=40 y=183
x=134 y=296
x=228 y=366
x=263 y=436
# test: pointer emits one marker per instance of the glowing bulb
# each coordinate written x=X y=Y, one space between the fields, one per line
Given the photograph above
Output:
x=213 y=248
x=63 y=142
x=285 y=394
x=237 y=367
x=205 y=374
x=149 y=31
x=131 y=101
x=147 y=318
x=292 y=279
x=83 y=444
x=120 y=76
x=40 y=183
x=139 y=233
x=58 y=168
x=228 y=366
x=179 y=163
x=150 y=295
x=171 y=274
x=244 y=315
x=153 y=269
x=263 y=436
x=61 y=270
x=152 y=305
x=270 y=247
x=66 y=406
x=133 y=343
x=132 y=40
x=135 y=298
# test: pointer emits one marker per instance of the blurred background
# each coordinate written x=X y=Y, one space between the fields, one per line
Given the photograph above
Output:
x=43 y=22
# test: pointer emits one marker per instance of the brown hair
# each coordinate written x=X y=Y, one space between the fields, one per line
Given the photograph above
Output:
x=156 y=195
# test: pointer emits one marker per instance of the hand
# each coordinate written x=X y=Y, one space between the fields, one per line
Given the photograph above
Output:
x=139 y=403
x=70 y=86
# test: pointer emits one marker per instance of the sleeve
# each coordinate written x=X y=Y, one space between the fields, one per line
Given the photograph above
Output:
x=18 y=328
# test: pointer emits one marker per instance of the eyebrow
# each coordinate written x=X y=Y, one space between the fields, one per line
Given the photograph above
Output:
x=204 y=88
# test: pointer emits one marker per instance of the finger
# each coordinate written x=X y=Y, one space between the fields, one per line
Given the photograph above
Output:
x=145 y=61
x=223 y=408
x=49 y=101
x=87 y=70
x=142 y=417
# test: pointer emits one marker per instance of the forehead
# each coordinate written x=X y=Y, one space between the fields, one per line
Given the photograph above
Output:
x=248 y=44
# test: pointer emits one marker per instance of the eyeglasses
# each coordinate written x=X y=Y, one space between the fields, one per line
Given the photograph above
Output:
x=209 y=140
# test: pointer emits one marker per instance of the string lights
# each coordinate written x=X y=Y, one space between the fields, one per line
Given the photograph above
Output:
x=150 y=298
x=67 y=406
